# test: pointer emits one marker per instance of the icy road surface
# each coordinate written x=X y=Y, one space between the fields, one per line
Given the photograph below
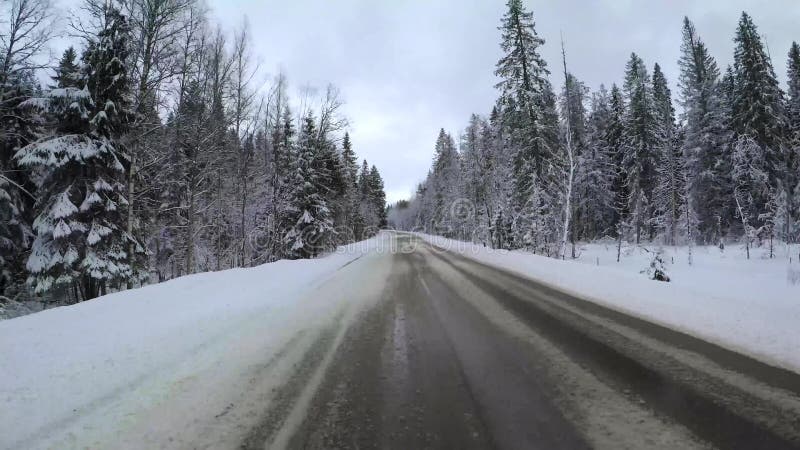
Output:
x=413 y=348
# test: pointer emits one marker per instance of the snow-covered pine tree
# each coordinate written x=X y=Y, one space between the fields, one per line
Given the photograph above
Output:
x=25 y=29
x=774 y=218
x=758 y=107
x=475 y=177
x=281 y=175
x=707 y=143
x=668 y=194
x=596 y=173
x=17 y=187
x=365 y=203
x=353 y=223
x=68 y=72
x=444 y=184
x=527 y=104
x=641 y=146
x=751 y=187
x=792 y=225
x=378 y=196
x=80 y=224
x=313 y=229
x=614 y=140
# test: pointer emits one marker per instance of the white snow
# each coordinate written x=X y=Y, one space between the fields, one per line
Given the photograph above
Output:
x=61 y=230
x=63 y=207
x=85 y=375
x=751 y=306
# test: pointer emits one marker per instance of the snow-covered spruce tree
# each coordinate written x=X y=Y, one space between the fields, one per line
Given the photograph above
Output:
x=313 y=229
x=353 y=222
x=641 y=146
x=527 y=105
x=282 y=134
x=68 y=72
x=365 y=204
x=751 y=187
x=774 y=219
x=25 y=30
x=80 y=224
x=378 y=196
x=334 y=186
x=758 y=107
x=668 y=194
x=707 y=143
x=17 y=187
x=596 y=173
x=614 y=140
x=444 y=185
x=481 y=184
x=792 y=224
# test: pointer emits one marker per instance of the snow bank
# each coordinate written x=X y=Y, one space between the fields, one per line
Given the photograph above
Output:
x=747 y=305
x=60 y=365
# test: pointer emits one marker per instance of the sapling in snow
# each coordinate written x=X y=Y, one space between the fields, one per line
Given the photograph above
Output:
x=657 y=268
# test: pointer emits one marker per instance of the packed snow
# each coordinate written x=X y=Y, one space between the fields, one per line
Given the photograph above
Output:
x=91 y=373
x=751 y=306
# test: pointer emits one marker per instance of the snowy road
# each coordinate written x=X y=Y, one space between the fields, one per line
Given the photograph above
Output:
x=460 y=355
x=414 y=348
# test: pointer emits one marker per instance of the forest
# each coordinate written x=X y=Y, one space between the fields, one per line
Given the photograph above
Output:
x=716 y=163
x=152 y=150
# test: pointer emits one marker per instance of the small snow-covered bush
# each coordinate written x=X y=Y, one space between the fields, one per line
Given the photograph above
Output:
x=657 y=270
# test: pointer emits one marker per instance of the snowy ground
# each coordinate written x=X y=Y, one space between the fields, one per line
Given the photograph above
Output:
x=751 y=306
x=114 y=369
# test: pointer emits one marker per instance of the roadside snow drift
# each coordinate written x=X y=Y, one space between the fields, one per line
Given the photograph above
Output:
x=746 y=305
x=81 y=375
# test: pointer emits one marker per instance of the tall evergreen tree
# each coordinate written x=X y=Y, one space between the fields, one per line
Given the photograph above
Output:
x=596 y=174
x=353 y=222
x=642 y=137
x=20 y=125
x=313 y=226
x=668 y=194
x=80 y=224
x=792 y=225
x=378 y=196
x=68 y=71
x=526 y=99
x=614 y=140
x=758 y=109
x=707 y=143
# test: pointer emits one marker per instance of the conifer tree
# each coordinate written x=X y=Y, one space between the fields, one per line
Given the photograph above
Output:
x=596 y=174
x=707 y=143
x=758 y=110
x=614 y=141
x=641 y=145
x=312 y=231
x=378 y=196
x=80 y=224
x=792 y=224
x=353 y=222
x=668 y=194
x=68 y=71
x=527 y=101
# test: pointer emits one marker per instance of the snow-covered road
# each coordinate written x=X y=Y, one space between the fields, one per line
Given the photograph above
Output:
x=390 y=343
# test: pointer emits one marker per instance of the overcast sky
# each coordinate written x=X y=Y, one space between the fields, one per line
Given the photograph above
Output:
x=409 y=67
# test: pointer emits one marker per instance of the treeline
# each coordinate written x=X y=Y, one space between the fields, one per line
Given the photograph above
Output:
x=154 y=153
x=544 y=171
